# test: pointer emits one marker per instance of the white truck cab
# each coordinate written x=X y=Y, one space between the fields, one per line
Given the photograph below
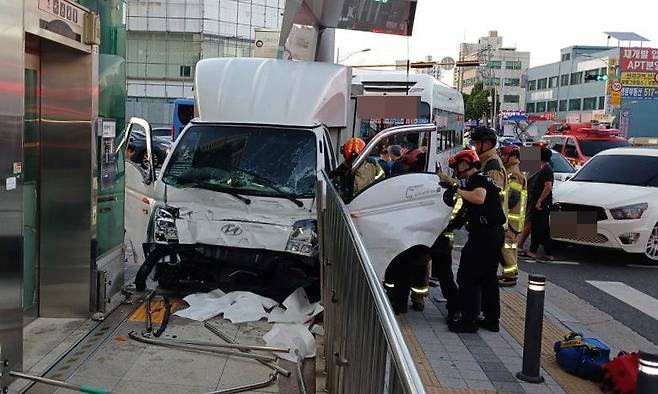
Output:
x=234 y=204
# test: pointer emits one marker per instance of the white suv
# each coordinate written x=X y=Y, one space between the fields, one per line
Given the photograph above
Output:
x=618 y=188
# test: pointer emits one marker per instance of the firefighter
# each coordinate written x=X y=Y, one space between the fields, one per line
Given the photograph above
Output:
x=517 y=198
x=478 y=266
x=369 y=172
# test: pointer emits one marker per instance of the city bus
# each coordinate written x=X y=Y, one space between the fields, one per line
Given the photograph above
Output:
x=183 y=112
x=439 y=104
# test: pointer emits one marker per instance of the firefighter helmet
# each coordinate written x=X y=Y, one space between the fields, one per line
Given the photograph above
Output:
x=512 y=150
x=483 y=134
x=352 y=148
x=468 y=155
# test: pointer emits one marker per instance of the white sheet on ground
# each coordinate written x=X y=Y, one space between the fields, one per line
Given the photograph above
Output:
x=296 y=337
x=237 y=306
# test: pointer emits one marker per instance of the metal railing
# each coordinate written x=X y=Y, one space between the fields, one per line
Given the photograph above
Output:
x=365 y=349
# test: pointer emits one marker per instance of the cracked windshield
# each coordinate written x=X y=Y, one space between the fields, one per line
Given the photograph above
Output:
x=246 y=160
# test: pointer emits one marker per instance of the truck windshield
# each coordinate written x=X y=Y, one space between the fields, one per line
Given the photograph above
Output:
x=251 y=160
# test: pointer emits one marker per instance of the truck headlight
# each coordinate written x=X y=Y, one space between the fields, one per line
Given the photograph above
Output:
x=165 y=226
x=304 y=238
x=628 y=212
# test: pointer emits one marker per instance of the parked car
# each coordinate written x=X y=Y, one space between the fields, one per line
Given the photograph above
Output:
x=163 y=133
x=618 y=188
x=160 y=149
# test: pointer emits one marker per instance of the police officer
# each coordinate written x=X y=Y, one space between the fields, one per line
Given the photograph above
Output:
x=478 y=267
x=517 y=198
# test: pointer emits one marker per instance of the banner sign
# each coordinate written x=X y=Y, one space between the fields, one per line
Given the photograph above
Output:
x=640 y=93
x=639 y=60
x=640 y=79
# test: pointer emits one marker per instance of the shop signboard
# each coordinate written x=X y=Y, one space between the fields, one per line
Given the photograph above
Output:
x=639 y=73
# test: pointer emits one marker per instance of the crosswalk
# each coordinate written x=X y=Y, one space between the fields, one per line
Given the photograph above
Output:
x=630 y=296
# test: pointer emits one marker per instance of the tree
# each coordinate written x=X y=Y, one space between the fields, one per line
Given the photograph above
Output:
x=477 y=103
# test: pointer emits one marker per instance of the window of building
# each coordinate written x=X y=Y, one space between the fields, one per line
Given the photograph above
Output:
x=532 y=85
x=552 y=82
x=566 y=57
x=589 y=104
x=542 y=84
x=492 y=82
x=511 y=98
x=552 y=106
x=541 y=106
x=512 y=82
x=603 y=71
x=564 y=80
x=513 y=65
x=185 y=71
x=602 y=102
x=575 y=104
x=530 y=108
x=495 y=64
x=563 y=105
x=577 y=78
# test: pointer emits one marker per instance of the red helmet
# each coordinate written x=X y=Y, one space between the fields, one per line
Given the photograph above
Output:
x=510 y=150
x=468 y=155
x=352 y=148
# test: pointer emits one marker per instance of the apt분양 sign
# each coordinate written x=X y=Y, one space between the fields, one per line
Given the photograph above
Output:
x=644 y=60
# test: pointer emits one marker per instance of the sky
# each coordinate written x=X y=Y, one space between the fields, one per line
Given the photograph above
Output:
x=542 y=28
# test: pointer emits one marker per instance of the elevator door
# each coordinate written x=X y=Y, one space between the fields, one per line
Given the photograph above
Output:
x=31 y=186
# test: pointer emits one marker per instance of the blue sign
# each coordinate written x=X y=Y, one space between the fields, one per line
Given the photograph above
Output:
x=641 y=93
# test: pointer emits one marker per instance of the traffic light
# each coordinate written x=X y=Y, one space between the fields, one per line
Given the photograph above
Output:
x=598 y=77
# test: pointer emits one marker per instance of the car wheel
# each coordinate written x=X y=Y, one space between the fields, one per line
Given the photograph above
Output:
x=652 y=245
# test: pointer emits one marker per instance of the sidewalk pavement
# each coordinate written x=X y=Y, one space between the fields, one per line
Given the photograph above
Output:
x=488 y=362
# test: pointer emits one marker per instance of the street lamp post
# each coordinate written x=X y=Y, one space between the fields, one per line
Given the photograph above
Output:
x=339 y=60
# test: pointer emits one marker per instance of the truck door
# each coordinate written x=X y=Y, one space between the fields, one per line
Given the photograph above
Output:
x=140 y=184
x=397 y=213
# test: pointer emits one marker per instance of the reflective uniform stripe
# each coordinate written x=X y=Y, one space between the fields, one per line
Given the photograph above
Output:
x=423 y=290
x=389 y=285
x=517 y=219
x=511 y=270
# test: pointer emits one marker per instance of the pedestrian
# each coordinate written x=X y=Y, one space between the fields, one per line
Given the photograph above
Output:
x=542 y=197
x=516 y=206
x=478 y=267
x=385 y=162
x=395 y=153
x=351 y=183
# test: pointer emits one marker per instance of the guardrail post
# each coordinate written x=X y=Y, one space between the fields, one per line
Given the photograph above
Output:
x=647 y=375
x=534 y=319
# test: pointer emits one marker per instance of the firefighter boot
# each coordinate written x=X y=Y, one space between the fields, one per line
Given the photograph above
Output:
x=417 y=301
x=508 y=280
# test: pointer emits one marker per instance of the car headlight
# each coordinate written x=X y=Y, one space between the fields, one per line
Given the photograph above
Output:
x=165 y=226
x=628 y=212
x=303 y=239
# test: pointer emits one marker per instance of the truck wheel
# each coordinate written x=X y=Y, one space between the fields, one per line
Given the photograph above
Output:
x=651 y=251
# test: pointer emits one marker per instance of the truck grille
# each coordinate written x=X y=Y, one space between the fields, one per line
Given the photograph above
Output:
x=565 y=207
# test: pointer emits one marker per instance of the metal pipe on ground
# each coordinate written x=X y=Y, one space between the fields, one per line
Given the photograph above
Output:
x=647 y=375
x=258 y=357
x=236 y=346
x=534 y=323
x=57 y=383
x=248 y=387
x=228 y=339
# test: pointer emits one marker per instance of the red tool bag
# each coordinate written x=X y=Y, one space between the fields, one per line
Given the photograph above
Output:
x=621 y=373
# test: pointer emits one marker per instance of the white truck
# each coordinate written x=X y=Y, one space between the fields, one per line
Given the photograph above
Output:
x=233 y=205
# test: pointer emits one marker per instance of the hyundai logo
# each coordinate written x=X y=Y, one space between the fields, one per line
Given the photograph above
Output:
x=231 y=229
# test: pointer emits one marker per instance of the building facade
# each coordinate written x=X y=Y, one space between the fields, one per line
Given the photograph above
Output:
x=166 y=38
x=500 y=68
x=573 y=89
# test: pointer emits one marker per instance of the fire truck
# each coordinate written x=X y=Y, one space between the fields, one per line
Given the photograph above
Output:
x=579 y=142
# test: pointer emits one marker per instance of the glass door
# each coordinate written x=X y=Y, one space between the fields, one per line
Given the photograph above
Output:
x=30 y=171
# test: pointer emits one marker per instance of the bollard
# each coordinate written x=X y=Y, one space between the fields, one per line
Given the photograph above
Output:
x=647 y=375
x=534 y=319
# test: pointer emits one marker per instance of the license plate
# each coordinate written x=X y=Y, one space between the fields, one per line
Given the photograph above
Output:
x=574 y=225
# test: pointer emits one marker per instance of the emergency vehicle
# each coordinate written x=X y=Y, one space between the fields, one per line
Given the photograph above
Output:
x=579 y=142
